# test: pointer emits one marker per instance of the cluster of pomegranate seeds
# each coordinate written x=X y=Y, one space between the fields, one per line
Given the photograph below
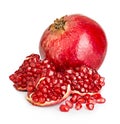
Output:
x=29 y=70
x=45 y=85
x=84 y=79
x=78 y=100
x=50 y=89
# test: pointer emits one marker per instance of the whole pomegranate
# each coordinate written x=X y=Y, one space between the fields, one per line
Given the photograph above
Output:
x=74 y=40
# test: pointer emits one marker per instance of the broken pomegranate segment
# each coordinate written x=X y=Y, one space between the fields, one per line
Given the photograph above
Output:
x=49 y=91
x=84 y=79
x=45 y=85
x=29 y=70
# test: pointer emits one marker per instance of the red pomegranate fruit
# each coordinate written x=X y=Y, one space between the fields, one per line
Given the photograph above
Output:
x=74 y=40
x=75 y=47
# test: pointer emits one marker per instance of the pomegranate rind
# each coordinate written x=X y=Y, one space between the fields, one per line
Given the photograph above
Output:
x=76 y=41
x=20 y=88
x=67 y=94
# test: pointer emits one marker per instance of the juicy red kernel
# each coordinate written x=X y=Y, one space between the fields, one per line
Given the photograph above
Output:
x=35 y=99
x=90 y=106
x=101 y=100
x=69 y=103
x=78 y=105
x=30 y=88
x=81 y=100
x=41 y=99
x=96 y=96
x=90 y=100
x=64 y=108
x=86 y=96
x=74 y=98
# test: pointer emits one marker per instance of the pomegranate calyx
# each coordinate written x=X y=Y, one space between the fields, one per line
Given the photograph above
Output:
x=58 y=25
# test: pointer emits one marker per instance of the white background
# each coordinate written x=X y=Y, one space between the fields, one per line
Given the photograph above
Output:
x=22 y=23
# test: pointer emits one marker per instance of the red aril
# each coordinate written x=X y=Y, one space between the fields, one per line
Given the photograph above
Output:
x=69 y=103
x=64 y=108
x=100 y=100
x=78 y=105
x=90 y=106
x=74 y=40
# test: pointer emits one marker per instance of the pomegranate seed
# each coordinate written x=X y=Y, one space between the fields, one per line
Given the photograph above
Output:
x=35 y=99
x=74 y=98
x=86 y=96
x=91 y=100
x=30 y=88
x=90 y=106
x=69 y=103
x=78 y=105
x=100 y=100
x=41 y=99
x=96 y=96
x=81 y=100
x=64 y=108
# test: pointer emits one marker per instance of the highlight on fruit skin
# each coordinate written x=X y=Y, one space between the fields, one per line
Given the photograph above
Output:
x=74 y=40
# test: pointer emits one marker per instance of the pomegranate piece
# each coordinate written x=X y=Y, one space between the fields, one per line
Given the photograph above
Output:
x=49 y=91
x=84 y=79
x=74 y=40
x=46 y=85
x=28 y=71
x=31 y=68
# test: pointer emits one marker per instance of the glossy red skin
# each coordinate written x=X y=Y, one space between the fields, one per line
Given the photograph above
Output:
x=82 y=42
